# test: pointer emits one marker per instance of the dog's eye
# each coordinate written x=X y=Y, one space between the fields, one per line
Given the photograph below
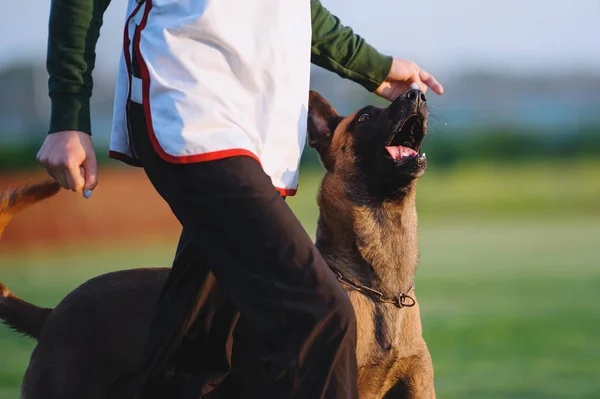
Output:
x=364 y=117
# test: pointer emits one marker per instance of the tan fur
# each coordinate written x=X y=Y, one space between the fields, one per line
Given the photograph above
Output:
x=5 y=292
x=14 y=201
x=384 y=236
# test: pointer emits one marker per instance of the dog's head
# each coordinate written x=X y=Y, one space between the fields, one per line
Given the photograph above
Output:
x=375 y=149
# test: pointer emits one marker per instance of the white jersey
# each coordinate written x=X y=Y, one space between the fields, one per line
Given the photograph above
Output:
x=219 y=78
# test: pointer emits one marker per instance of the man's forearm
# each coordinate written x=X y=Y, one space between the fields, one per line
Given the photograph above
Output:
x=337 y=48
x=74 y=28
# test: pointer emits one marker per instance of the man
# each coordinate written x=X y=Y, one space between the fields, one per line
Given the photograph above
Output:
x=211 y=101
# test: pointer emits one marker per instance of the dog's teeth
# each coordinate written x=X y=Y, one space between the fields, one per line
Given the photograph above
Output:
x=424 y=156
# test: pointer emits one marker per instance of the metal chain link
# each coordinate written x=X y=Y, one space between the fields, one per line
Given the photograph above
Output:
x=403 y=300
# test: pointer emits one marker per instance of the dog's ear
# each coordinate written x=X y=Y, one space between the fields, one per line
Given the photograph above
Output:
x=322 y=122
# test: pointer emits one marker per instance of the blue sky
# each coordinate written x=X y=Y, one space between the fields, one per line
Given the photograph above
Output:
x=443 y=36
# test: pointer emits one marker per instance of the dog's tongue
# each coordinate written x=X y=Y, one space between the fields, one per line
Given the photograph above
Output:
x=399 y=152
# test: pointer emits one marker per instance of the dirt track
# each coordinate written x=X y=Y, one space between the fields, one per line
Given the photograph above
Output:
x=124 y=206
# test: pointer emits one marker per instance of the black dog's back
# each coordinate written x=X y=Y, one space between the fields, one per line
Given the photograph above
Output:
x=95 y=336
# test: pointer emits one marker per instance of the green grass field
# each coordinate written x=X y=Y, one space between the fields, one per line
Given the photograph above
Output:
x=508 y=281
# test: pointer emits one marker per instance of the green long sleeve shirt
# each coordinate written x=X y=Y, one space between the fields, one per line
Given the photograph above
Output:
x=74 y=28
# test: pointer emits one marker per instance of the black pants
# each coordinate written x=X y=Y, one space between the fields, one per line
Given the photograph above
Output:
x=237 y=230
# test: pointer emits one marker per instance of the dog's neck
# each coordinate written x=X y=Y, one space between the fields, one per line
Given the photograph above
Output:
x=372 y=243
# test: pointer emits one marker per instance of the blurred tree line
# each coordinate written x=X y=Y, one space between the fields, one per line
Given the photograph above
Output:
x=482 y=116
x=447 y=147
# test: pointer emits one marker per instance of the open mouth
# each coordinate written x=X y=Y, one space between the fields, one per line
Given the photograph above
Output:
x=406 y=139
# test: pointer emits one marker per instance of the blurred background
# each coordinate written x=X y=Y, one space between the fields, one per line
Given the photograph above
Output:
x=509 y=208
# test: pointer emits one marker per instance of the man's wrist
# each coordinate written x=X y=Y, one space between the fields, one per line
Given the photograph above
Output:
x=70 y=112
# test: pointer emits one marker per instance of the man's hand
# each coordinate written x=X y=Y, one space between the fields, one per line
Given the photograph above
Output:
x=69 y=157
x=402 y=74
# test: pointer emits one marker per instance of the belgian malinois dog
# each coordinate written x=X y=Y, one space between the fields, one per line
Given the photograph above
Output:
x=367 y=233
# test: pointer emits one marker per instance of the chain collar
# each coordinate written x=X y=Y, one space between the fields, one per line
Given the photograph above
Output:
x=403 y=300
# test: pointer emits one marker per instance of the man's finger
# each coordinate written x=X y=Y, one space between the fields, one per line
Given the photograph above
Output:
x=90 y=172
x=75 y=178
x=51 y=173
x=62 y=178
x=416 y=83
x=58 y=171
x=430 y=81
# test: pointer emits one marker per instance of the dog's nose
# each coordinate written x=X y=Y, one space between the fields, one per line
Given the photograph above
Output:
x=416 y=95
x=411 y=100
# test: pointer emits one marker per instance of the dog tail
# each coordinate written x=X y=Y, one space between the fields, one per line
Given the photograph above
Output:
x=19 y=315
x=13 y=201
x=25 y=318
